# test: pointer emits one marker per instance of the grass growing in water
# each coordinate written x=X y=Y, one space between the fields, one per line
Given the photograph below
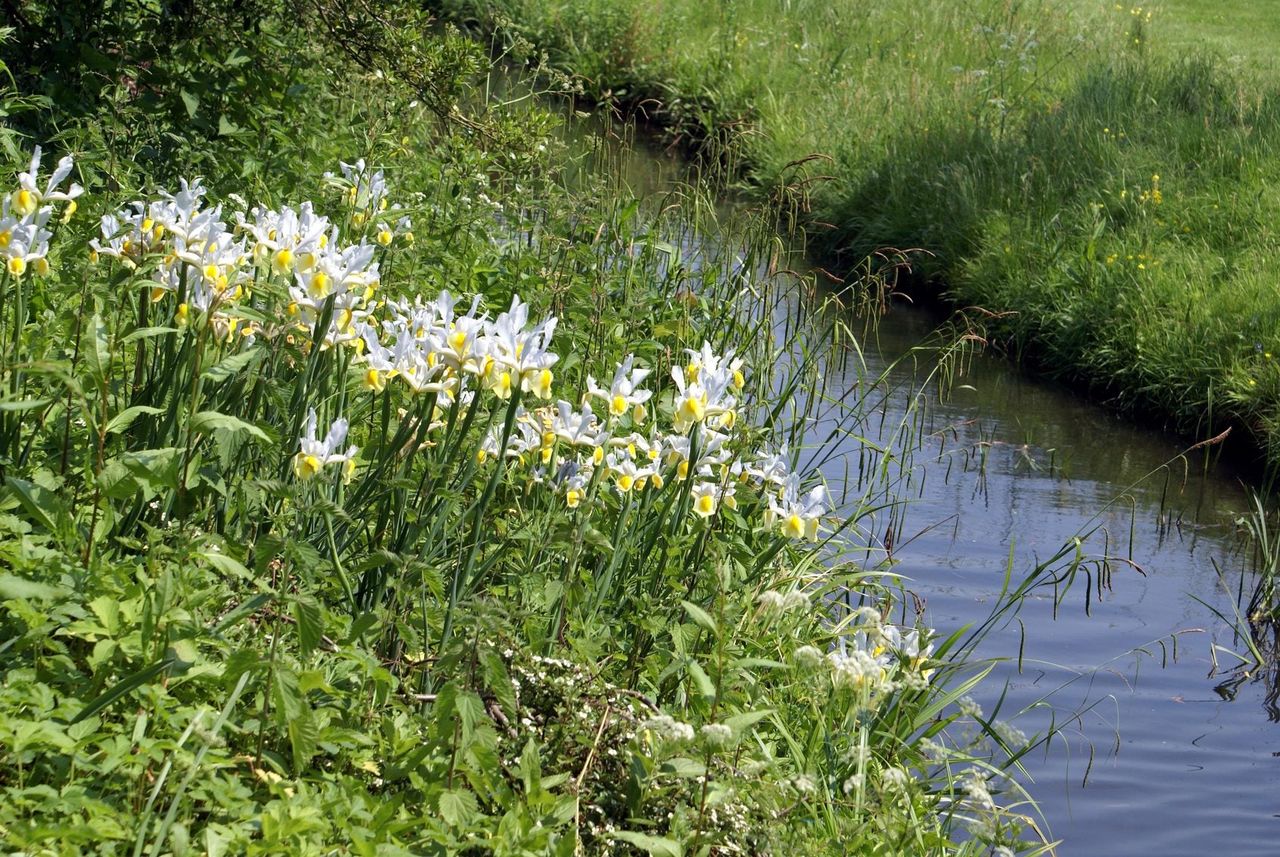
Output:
x=305 y=550
x=1108 y=198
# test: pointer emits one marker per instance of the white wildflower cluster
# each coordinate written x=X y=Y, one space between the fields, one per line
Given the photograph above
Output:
x=774 y=604
x=716 y=735
x=874 y=658
x=26 y=212
x=667 y=728
x=894 y=779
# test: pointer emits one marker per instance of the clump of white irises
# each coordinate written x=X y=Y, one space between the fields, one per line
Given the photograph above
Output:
x=26 y=212
x=451 y=349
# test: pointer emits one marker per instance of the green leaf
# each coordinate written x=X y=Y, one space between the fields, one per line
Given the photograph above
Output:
x=192 y=103
x=700 y=617
x=12 y=586
x=304 y=738
x=740 y=723
x=128 y=685
x=683 y=768
x=148 y=332
x=287 y=695
x=227 y=565
x=531 y=768
x=310 y=623
x=125 y=418
x=211 y=421
x=226 y=127
x=458 y=807
x=700 y=678
x=657 y=846
x=98 y=354
x=43 y=505
x=233 y=365
x=498 y=681
x=23 y=405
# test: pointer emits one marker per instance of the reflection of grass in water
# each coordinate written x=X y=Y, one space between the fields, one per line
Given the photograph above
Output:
x=1254 y=612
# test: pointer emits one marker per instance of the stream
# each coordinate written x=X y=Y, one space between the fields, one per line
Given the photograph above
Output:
x=1154 y=755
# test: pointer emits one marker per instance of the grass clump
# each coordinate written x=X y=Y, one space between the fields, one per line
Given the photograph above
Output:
x=373 y=493
x=1109 y=200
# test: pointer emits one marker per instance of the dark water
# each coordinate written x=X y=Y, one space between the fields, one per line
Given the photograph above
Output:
x=1172 y=767
x=1151 y=757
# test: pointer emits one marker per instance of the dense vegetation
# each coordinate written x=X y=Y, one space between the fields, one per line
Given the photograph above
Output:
x=1104 y=193
x=315 y=537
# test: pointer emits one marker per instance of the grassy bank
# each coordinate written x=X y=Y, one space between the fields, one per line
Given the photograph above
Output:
x=1072 y=168
x=366 y=490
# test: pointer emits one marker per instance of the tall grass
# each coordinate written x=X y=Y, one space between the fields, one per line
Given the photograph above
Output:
x=1107 y=197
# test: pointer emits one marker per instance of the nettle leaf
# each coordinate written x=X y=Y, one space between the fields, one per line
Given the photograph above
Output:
x=212 y=421
x=470 y=710
x=309 y=620
x=657 y=846
x=498 y=681
x=531 y=768
x=287 y=695
x=304 y=739
x=191 y=102
x=458 y=807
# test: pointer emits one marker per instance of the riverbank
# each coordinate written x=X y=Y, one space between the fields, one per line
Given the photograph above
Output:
x=371 y=486
x=1106 y=200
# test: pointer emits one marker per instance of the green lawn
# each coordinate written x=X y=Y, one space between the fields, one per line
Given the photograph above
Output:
x=1244 y=28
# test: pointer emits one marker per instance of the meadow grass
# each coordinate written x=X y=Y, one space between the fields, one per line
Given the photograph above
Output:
x=1104 y=193
x=316 y=537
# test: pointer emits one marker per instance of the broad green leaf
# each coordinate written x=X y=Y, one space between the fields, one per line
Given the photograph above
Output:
x=304 y=736
x=458 y=807
x=212 y=421
x=657 y=846
x=12 y=586
x=147 y=333
x=191 y=102
x=701 y=679
x=740 y=723
x=498 y=681
x=43 y=505
x=531 y=768
x=233 y=365
x=310 y=623
x=227 y=565
x=23 y=405
x=98 y=352
x=683 y=768
x=700 y=617
x=125 y=418
x=286 y=694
